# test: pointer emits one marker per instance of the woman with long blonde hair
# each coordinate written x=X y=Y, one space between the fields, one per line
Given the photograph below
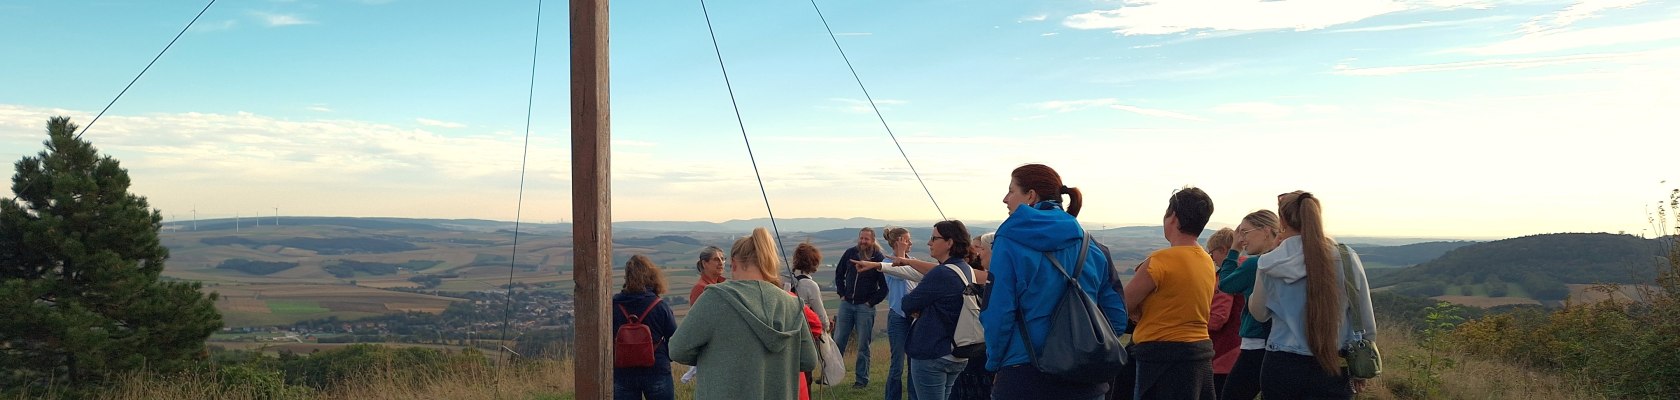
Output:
x=1300 y=289
x=753 y=338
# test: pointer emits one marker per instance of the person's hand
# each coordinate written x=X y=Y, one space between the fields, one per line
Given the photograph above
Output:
x=867 y=265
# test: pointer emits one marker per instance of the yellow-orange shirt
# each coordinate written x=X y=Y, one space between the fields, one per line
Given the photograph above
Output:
x=1177 y=311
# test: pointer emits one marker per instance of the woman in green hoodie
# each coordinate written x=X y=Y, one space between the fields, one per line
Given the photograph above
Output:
x=751 y=336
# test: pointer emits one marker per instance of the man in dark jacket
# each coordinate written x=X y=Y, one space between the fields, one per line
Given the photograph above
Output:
x=859 y=293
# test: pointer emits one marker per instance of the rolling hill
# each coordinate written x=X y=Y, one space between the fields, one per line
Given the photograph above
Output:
x=1537 y=266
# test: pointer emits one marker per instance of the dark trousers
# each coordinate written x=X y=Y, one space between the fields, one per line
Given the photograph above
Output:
x=1219 y=385
x=1243 y=383
x=1287 y=375
x=1025 y=382
x=1174 y=370
x=639 y=387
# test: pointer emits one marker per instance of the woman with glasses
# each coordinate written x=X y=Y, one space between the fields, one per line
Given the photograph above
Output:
x=937 y=303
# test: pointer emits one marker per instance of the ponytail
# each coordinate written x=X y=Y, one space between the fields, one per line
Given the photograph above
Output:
x=1325 y=306
x=1075 y=200
x=759 y=248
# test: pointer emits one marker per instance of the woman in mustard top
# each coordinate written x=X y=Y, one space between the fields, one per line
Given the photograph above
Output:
x=1170 y=297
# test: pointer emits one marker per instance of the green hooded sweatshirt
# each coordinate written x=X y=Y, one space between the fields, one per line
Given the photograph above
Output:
x=750 y=340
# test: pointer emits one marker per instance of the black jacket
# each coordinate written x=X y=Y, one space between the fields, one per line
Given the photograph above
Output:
x=867 y=287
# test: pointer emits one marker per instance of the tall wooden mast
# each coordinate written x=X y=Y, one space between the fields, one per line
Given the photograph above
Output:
x=591 y=199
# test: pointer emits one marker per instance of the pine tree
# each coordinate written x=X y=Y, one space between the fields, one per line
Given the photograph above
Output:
x=80 y=258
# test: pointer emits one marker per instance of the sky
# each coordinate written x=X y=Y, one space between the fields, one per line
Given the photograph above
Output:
x=1430 y=118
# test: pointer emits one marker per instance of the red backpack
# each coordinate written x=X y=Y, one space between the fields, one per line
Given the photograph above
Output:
x=633 y=344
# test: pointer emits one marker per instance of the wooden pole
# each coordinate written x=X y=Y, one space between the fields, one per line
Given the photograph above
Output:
x=591 y=199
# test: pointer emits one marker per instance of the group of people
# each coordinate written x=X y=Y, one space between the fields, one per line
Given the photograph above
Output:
x=1263 y=309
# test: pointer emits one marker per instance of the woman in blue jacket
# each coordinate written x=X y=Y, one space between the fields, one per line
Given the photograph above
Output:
x=643 y=286
x=937 y=301
x=1024 y=280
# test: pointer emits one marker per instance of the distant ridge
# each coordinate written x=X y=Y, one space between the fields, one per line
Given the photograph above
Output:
x=735 y=226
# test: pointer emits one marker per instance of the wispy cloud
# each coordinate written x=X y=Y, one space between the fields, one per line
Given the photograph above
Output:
x=1503 y=63
x=1263 y=110
x=1157 y=113
x=1166 y=17
x=1426 y=24
x=1566 y=39
x=1033 y=18
x=1274 y=111
x=1048 y=34
x=1581 y=10
x=248 y=145
x=1062 y=106
x=1186 y=37
x=439 y=124
x=319 y=108
x=276 y=20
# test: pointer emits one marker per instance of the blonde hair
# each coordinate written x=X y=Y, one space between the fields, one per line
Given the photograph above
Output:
x=1221 y=240
x=1264 y=219
x=1302 y=213
x=892 y=234
x=759 y=249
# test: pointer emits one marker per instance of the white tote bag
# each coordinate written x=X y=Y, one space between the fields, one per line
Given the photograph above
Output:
x=831 y=366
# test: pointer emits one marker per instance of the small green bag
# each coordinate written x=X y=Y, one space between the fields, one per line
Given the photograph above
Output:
x=1363 y=359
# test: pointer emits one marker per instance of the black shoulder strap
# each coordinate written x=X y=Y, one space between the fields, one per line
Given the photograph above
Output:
x=1073 y=284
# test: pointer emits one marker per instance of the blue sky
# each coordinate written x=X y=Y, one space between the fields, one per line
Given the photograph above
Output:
x=1456 y=118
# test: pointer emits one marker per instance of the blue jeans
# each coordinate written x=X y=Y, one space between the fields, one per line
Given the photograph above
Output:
x=898 y=337
x=933 y=378
x=635 y=387
x=859 y=318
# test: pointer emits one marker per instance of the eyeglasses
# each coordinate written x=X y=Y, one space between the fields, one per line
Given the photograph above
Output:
x=939 y=238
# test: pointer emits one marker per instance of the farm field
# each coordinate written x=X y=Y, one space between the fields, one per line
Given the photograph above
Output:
x=277 y=304
x=1485 y=302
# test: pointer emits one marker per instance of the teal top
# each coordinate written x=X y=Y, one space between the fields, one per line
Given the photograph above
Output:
x=1238 y=278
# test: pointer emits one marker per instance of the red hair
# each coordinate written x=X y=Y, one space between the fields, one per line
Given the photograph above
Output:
x=1047 y=183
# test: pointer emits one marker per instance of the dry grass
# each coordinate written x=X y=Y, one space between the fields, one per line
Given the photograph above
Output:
x=1469 y=378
